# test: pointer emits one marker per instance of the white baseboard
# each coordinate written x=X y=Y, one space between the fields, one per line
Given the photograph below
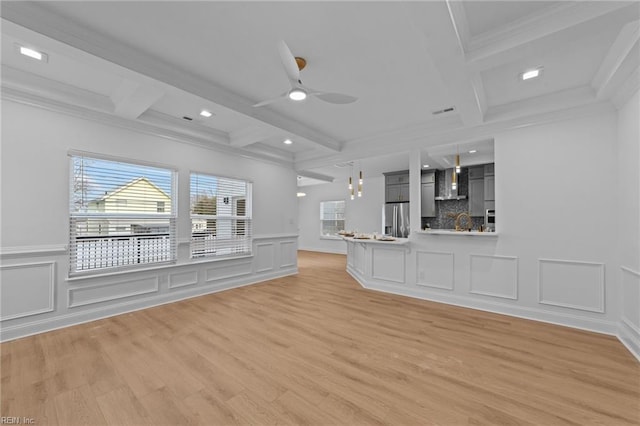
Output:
x=60 y=321
x=567 y=320
x=630 y=337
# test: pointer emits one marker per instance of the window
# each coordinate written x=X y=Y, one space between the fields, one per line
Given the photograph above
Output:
x=220 y=216
x=331 y=218
x=115 y=220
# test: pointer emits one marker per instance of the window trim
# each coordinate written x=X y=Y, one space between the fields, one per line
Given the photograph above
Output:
x=172 y=217
x=248 y=196
x=331 y=237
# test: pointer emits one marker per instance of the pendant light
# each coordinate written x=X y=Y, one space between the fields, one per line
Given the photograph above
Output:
x=457 y=160
x=351 y=191
x=360 y=184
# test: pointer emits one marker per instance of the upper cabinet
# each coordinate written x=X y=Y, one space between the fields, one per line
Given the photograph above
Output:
x=396 y=186
x=481 y=189
x=476 y=197
x=428 y=194
x=397 y=193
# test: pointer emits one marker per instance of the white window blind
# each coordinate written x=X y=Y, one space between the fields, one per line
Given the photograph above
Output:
x=115 y=219
x=331 y=217
x=220 y=216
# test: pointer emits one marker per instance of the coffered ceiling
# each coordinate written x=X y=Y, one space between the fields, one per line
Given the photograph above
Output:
x=149 y=64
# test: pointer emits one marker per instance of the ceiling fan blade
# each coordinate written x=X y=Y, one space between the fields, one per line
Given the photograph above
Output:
x=270 y=101
x=334 y=98
x=289 y=62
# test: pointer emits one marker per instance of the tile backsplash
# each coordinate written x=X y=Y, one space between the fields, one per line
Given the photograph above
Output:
x=444 y=207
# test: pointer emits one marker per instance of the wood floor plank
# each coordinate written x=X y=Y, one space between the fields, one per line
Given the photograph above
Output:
x=316 y=348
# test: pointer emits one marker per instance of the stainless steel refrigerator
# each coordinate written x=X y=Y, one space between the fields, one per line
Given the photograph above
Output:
x=396 y=219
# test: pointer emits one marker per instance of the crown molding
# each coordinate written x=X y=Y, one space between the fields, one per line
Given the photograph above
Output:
x=35 y=18
x=627 y=89
x=460 y=23
x=625 y=43
x=27 y=82
x=556 y=101
x=191 y=128
x=176 y=135
x=460 y=135
x=535 y=26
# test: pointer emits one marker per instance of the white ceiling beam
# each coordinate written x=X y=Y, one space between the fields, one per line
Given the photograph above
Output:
x=131 y=99
x=269 y=151
x=31 y=16
x=178 y=125
x=437 y=30
x=314 y=175
x=248 y=136
x=460 y=22
x=556 y=101
x=548 y=21
x=625 y=43
x=31 y=83
x=460 y=135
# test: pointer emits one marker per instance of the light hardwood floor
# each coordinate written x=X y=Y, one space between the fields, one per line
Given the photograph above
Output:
x=316 y=348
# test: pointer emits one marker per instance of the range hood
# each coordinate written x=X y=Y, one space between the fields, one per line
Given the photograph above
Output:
x=450 y=194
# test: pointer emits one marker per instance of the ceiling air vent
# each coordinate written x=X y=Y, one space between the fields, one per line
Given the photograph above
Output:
x=441 y=111
x=342 y=165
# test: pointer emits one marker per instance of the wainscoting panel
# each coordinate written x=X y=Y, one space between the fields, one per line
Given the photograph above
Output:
x=26 y=289
x=350 y=254
x=183 y=279
x=631 y=296
x=493 y=275
x=435 y=269
x=89 y=295
x=288 y=254
x=388 y=265
x=265 y=257
x=571 y=284
x=359 y=257
x=225 y=270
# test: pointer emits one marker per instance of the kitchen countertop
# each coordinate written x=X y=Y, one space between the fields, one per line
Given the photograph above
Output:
x=451 y=232
x=398 y=241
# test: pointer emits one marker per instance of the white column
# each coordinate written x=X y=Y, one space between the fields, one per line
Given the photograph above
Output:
x=415 y=192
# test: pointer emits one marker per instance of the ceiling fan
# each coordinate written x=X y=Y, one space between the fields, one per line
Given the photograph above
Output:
x=298 y=92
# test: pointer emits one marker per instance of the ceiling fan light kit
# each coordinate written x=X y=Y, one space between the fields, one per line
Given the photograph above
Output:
x=298 y=92
x=297 y=95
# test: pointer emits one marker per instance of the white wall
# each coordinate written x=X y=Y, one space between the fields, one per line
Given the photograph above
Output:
x=554 y=257
x=628 y=221
x=362 y=214
x=35 y=192
x=555 y=208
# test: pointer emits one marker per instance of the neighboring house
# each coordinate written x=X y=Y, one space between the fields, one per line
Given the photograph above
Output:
x=138 y=197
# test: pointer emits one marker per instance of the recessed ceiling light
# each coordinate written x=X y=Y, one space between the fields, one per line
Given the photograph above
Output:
x=297 y=95
x=301 y=194
x=287 y=142
x=34 y=54
x=527 y=75
x=473 y=151
x=425 y=165
x=205 y=113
